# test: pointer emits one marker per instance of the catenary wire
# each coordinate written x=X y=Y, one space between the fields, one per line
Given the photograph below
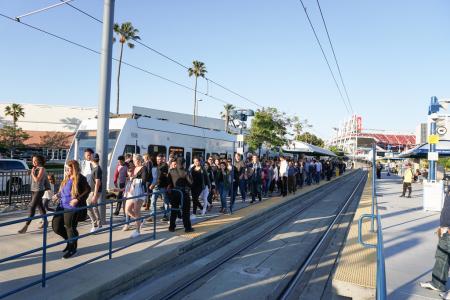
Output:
x=334 y=55
x=324 y=55
x=115 y=59
x=172 y=59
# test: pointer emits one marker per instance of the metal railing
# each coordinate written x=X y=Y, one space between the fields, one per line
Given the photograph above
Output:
x=109 y=253
x=15 y=185
x=381 y=272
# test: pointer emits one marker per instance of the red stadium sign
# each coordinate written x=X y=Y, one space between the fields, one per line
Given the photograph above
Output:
x=358 y=123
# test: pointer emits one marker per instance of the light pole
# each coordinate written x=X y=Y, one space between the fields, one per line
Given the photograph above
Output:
x=104 y=97
x=241 y=115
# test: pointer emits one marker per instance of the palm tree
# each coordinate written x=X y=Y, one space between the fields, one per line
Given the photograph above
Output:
x=15 y=111
x=198 y=69
x=226 y=114
x=126 y=33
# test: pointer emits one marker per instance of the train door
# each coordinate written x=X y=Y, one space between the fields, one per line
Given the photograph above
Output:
x=196 y=152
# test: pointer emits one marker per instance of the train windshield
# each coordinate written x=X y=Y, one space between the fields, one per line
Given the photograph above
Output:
x=87 y=139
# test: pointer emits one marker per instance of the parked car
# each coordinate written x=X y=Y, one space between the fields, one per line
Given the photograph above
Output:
x=14 y=176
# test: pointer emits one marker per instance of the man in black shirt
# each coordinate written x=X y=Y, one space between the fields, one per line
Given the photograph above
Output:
x=95 y=182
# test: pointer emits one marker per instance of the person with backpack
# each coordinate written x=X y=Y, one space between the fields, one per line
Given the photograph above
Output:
x=72 y=194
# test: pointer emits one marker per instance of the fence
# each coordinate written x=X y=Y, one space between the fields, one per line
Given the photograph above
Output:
x=109 y=253
x=15 y=185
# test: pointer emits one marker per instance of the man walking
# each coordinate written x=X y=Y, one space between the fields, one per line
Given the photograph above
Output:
x=255 y=178
x=407 y=180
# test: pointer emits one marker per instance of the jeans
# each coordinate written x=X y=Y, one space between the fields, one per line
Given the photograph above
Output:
x=36 y=202
x=156 y=193
x=93 y=212
x=407 y=186
x=223 y=191
x=441 y=265
x=256 y=190
x=242 y=189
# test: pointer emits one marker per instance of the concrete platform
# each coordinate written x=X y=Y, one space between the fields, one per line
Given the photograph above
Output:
x=409 y=240
x=128 y=267
x=355 y=273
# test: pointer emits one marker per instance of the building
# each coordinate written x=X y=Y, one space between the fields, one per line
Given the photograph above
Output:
x=357 y=142
x=42 y=122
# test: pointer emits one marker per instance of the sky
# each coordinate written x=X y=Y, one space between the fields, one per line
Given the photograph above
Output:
x=394 y=55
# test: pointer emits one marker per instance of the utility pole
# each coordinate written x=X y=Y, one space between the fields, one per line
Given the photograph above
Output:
x=104 y=97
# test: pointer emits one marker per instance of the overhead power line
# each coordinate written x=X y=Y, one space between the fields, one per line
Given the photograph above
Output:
x=324 y=55
x=115 y=59
x=334 y=55
x=170 y=59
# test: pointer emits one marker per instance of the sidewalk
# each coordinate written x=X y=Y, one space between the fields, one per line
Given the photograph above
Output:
x=409 y=239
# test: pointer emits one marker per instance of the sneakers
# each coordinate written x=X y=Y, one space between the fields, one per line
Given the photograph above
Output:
x=402 y=196
x=189 y=230
x=69 y=254
x=445 y=296
x=93 y=229
x=126 y=227
x=171 y=229
x=193 y=217
x=429 y=285
x=165 y=219
x=135 y=234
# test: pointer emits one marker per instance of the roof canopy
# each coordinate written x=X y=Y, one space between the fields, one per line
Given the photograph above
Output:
x=421 y=151
x=302 y=147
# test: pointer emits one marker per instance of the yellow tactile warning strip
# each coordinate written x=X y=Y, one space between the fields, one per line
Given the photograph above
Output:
x=357 y=264
x=224 y=220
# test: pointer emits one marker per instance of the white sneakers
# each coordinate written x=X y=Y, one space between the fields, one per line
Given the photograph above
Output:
x=135 y=234
x=126 y=227
x=95 y=229
x=445 y=296
x=429 y=285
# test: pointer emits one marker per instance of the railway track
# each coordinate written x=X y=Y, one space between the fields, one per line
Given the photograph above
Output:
x=189 y=284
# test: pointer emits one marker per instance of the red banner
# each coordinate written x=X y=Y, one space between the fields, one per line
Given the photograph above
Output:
x=358 y=123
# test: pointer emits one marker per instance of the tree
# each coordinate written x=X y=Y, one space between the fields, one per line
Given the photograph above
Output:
x=57 y=140
x=13 y=136
x=268 y=128
x=310 y=139
x=198 y=69
x=336 y=150
x=226 y=114
x=126 y=33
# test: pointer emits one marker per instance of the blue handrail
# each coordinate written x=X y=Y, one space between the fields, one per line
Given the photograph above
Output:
x=45 y=246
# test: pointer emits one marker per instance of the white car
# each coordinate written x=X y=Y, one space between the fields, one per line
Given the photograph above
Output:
x=14 y=176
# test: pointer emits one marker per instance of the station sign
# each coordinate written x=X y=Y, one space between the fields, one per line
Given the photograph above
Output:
x=240 y=150
x=433 y=139
x=441 y=130
x=240 y=137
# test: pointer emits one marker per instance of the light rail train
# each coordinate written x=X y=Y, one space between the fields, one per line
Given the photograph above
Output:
x=135 y=133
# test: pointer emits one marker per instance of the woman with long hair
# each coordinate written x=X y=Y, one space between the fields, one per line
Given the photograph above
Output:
x=138 y=179
x=73 y=193
x=38 y=178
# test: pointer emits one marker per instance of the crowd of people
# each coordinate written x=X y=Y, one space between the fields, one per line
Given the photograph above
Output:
x=186 y=190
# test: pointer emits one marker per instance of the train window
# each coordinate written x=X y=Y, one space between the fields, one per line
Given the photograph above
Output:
x=176 y=151
x=157 y=149
x=198 y=153
x=188 y=159
x=132 y=149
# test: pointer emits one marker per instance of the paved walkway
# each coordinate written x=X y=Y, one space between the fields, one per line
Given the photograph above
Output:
x=409 y=240
x=102 y=272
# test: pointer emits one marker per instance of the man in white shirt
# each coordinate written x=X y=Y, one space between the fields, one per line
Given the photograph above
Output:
x=318 y=171
x=283 y=175
x=85 y=165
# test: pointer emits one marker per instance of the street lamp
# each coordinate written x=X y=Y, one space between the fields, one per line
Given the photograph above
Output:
x=196 y=113
x=241 y=115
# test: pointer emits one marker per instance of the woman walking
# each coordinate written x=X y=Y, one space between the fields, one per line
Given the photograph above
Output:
x=73 y=193
x=223 y=182
x=199 y=187
x=38 y=178
x=137 y=190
